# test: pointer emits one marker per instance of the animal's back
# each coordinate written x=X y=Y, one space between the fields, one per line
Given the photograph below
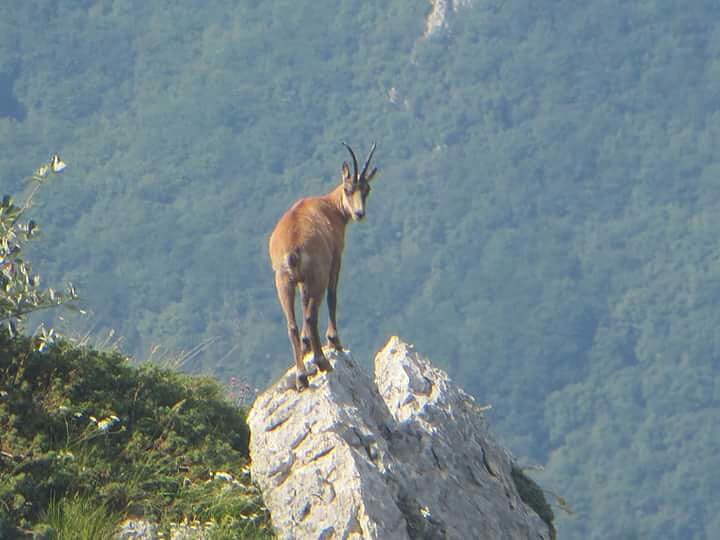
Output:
x=303 y=233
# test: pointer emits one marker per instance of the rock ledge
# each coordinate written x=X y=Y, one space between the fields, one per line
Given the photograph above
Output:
x=407 y=455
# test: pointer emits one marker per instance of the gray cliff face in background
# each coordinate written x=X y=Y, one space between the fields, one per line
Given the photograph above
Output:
x=406 y=456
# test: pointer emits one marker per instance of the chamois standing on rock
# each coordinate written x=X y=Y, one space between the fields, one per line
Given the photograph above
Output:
x=306 y=249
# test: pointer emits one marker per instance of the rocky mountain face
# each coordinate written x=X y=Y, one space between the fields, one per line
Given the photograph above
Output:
x=437 y=19
x=408 y=455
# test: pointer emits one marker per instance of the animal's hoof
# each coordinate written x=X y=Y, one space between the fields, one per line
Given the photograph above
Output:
x=301 y=382
x=324 y=364
x=334 y=342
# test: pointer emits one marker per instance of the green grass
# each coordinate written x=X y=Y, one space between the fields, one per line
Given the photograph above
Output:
x=84 y=427
x=80 y=518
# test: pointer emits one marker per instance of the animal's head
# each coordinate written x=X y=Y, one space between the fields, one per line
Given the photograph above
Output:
x=356 y=186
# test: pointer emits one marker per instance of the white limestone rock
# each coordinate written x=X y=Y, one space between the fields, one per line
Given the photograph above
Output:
x=406 y=456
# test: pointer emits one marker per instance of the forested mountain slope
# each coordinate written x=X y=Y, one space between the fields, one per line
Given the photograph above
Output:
x=545 y=220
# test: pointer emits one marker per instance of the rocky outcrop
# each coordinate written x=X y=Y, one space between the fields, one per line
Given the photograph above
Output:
x=407 y=455
x=437 y=19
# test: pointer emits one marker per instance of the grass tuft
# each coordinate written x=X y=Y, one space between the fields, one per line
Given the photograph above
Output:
x=80 y=518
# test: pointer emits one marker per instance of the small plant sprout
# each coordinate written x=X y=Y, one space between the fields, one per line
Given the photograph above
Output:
x=44 y=338
x=106 y=424
x=66 y=454
x=240 y=392
x=220 y=475
x=42 y=171
x=57 y=164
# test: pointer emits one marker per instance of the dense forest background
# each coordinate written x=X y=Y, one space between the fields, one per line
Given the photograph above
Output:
x=545 y=224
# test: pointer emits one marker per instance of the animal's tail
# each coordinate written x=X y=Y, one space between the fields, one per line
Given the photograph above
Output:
x=292 y=260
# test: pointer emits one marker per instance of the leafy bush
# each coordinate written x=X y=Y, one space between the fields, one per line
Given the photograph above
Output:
x=20 y=292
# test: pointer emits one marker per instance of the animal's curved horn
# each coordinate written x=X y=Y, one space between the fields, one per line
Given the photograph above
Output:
x=367 y=161
x=355 y=178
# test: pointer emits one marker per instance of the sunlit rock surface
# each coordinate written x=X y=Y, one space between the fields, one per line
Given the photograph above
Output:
x=407 y=455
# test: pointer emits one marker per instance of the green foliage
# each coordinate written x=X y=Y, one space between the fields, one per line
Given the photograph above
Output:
x=80 y=427
x=79 y=518
x=20 y=292
x=533 y=496
x=235 y=510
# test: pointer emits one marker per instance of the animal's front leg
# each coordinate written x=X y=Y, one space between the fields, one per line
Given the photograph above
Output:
x=332 y=333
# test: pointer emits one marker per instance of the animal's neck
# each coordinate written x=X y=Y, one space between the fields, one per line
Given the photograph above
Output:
x=336 y=198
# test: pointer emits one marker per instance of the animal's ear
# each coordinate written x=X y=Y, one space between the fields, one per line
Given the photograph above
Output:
x=346 y=176
x=370 y=176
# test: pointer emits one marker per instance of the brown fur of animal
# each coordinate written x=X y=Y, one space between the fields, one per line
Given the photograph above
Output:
x=306 y=249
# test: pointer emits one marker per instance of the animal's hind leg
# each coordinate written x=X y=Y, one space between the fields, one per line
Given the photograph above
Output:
x=286 y=295
x=304 y=337
x=311 y=322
